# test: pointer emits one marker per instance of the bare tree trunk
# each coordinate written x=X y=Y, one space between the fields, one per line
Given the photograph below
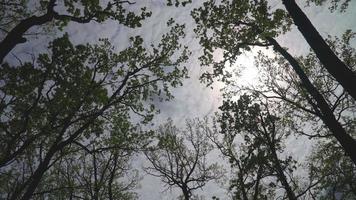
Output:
x=186 y=192
x=344 y=75
x=327 y=116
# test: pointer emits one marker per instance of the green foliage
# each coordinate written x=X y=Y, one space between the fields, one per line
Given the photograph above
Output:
x=11 y=12
x=335 y=172
x=330 y=170
x=333 y=5
x=97 y=167
x=253 y=141
x=81 y=11
x=95 y=10
x=234 y=26
x=77 y=94
x=178 y=2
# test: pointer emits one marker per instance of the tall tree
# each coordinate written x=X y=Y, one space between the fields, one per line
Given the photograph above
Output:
x=253 y=141
x=337 y=173
x=97 y=167
x=181 y=158
x=321 y=106
x=328 y=164
x=73 y=92
x=237 y=26
x=342 y=73
x=280 y=83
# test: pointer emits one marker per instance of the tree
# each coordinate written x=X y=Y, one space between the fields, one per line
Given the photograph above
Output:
x=321 y=107
x=252 y=138
x=338 y=69
x=72 y=93
x=279 y=83
x=330 y=171
x=180 y=159
x=11 y=12
x=97 y=167
x=20 y=16
x=80 y=12
x=337 y=173
x=237 y=26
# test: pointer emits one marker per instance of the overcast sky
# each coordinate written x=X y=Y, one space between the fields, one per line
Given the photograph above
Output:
x=194 y=99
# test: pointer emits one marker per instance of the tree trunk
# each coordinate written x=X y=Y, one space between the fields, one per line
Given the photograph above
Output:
x=280 y=174
x=327 y=116
x=186 y=192
x=257 y=184
x=344 y=75
x=37 y=176
x=15 y=36
x=270 y=141
x=241 y=181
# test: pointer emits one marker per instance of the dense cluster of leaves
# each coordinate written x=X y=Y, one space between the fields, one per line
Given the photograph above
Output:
x=178 y=2
x=11 y=12
x=336 y=172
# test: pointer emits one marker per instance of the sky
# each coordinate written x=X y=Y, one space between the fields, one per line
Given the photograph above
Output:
x=194 y=99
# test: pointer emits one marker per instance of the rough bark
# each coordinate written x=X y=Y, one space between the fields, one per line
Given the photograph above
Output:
x=342 y=73
x=327 y=116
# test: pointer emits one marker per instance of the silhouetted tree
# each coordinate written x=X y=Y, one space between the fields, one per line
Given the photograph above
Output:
x=337 y=173
x=252 y=138
x=237 y=26
x=338 y=69
x=181 y=157
x=72 y=93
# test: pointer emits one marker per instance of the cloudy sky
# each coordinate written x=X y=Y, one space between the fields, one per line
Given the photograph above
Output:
x=194 y=99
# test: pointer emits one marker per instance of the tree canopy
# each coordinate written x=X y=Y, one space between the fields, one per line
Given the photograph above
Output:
x=81 y=120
